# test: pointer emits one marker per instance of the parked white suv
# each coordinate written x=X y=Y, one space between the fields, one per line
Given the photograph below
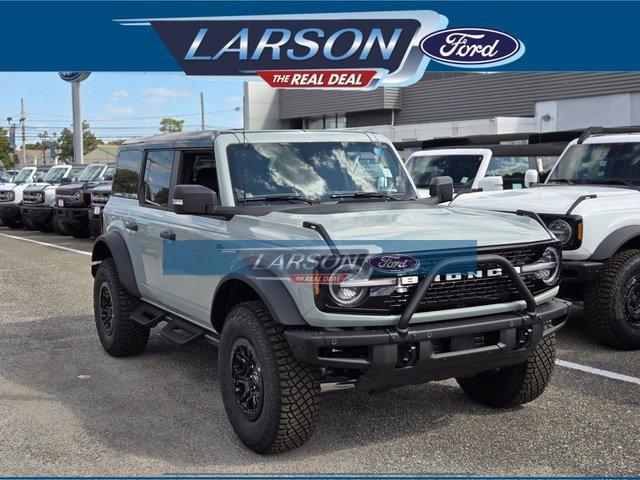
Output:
x=11 y=194
x=591 y=202
x=486 y=168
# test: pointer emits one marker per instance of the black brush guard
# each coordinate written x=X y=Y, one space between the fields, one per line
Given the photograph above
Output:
x=379 y=353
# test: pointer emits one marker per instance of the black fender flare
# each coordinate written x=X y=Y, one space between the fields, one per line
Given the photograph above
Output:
x=271 y=291
x=112 y=245
x=612 y=242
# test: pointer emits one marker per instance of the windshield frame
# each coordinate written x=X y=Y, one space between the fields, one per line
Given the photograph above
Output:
x=55 y=169
x=29 y=176
x=95 y=170
x=230 y=198
x=614 y=181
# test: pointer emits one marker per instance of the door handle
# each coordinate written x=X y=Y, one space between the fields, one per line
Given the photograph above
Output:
x=129 y=225
x=168 y=235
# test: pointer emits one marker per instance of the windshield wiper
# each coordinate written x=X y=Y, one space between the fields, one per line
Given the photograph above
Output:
x=363 y=195
x=268 y=198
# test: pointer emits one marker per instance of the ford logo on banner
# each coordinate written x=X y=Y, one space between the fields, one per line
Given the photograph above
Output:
x=472 y=47
x=393 y=263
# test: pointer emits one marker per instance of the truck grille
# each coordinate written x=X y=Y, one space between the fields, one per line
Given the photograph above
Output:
x=99 y=200
x=470 y=292
x=30 y=197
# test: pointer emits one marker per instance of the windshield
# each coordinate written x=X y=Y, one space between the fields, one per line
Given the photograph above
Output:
x=108 y=173
x=55 y=175
x=316 y=170
x=23 y=176
x=39 y=175
x=599 y=163
x=90 y=173
x=462 y=168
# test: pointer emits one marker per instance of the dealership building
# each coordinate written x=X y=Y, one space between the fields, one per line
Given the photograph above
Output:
x=455 y=104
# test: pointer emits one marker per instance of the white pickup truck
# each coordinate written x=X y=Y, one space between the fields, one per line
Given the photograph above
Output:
x=591 y=202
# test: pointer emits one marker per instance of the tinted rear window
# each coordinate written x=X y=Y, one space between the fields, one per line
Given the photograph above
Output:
x=127 y=175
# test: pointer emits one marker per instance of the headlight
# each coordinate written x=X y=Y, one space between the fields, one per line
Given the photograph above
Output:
x=562 y=230
x=547 y=268
x=39 y=198
x=346 y=296
x=11 y=196
x=77 y=195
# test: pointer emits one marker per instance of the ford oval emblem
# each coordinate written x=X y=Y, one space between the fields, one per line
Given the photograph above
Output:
x=472 y=47
x=393 y=263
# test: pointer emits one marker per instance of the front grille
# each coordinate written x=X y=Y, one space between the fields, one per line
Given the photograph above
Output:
x=99 y=200
x=470 y=292
x=30 y=197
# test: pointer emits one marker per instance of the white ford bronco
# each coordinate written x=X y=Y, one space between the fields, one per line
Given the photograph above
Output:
x=38 y=198
x=309 y=260
x=11 y=194
x=591 y=202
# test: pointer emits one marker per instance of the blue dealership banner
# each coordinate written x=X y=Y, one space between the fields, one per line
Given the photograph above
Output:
x=157 y=35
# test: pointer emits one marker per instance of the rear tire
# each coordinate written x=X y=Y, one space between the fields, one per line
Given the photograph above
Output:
x=273 y=410
x=59 y=227
x=112 y=305
x=612 y=302
x=517 y=384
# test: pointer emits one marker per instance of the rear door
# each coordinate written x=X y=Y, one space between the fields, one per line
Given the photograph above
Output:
x=147 y=218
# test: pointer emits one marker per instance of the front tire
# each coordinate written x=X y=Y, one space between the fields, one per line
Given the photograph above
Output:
x=612 y=302
x=28 y=223
x=270 y=397
x=59 y=227
x=13 y=224
x=77 y=231
x=112 y=305
x=517 y=384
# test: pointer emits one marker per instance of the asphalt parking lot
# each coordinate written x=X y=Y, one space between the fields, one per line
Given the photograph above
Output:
x=66 y=408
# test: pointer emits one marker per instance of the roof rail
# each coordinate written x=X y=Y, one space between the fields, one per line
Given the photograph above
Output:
x=601 y=130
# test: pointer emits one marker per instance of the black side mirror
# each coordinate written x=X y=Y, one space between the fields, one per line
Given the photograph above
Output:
x=441 y=187
x=193 y=199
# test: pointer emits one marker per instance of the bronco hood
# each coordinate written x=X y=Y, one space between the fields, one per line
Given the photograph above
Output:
x=554 y=199
x=411 y=221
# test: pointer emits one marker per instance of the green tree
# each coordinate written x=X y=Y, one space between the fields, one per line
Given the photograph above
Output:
x=6 y=152
x=170 y=125
x=65 y=142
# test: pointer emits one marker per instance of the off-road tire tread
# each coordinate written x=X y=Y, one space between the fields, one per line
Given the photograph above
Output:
x=599 y=304
x=299 y=386
x=132 y=338
x=528 y=381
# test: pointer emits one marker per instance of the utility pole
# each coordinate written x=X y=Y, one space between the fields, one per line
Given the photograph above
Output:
x=23 y=119
x=202 y=110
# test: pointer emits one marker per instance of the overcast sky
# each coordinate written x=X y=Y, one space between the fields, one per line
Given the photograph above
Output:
x=120 y=105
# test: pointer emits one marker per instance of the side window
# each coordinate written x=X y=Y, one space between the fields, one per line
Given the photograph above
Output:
x=126 y=176
x=157 y=177
x=511 y=169
x=199 y=168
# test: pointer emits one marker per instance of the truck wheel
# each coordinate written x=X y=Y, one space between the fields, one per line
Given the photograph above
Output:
x=112 y=305
x=13 y=224
x=612 y=302
x=77 y=231
x=28 y=223
x=58 y=226
x=270 y=397
x=517 y=384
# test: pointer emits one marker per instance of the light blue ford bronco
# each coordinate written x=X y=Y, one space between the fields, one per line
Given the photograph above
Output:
x=309 y=260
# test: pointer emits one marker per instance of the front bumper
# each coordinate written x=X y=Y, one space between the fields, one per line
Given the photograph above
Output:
x=387 y=358
x=580 y=271
x=38 y=213
x=72 y=215
x=10 y=212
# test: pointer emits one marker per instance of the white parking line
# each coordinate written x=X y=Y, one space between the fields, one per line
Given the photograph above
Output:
x=597 y=371
x=46 y=244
